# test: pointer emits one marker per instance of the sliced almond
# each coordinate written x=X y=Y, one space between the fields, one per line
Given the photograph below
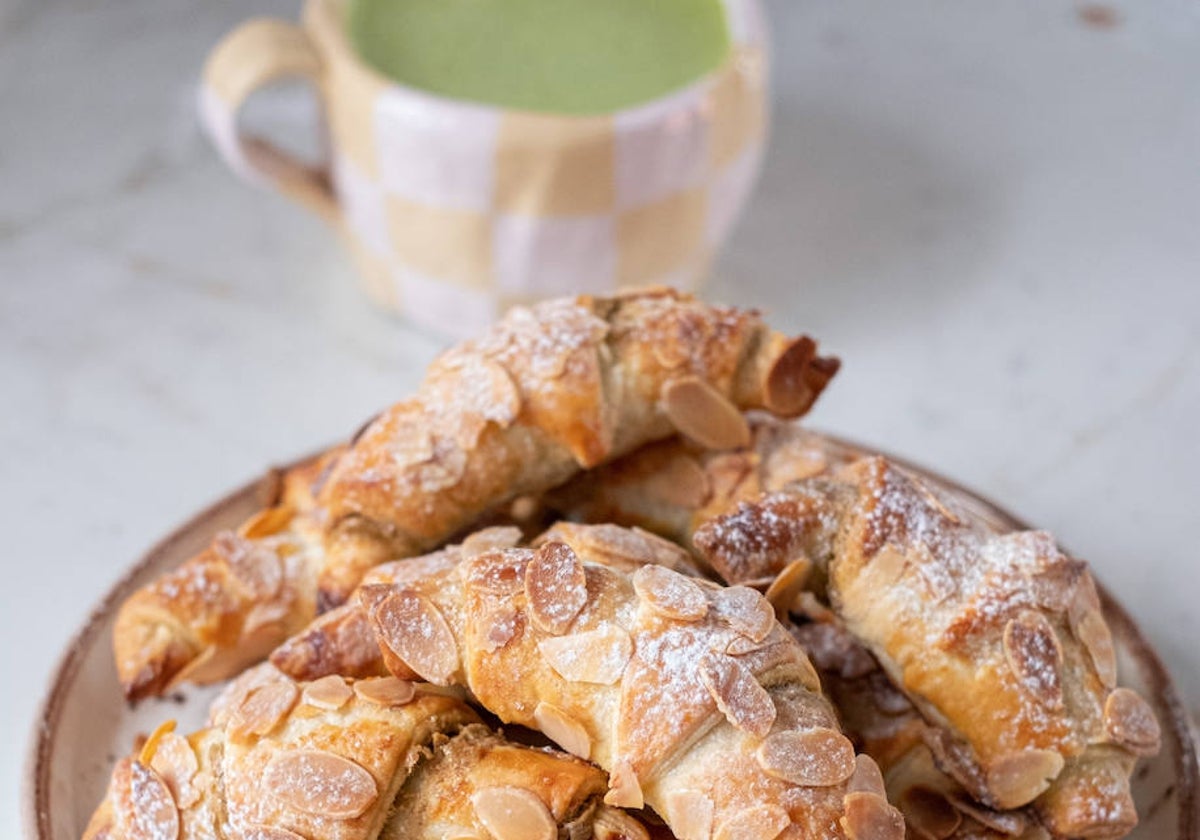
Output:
x=255 y=566
x=496 y=572
x=144 y=803
x=690 y=814
x=266 y=523
x=615 y=824
x=330 y=692
x=318 y=782
x=415 y=631
x=624 y=788
x=146 y=753
x=1131 y=722
x=490 y=539
x=813 y=757
x=1033 y=653
x=670 y=594
x=1016 y=779
x=758 y=822
x=563 y=729
x=175 y=761
x=867 y=777
x=701 y=412
x=789 y=583
x=1088 y=626
x=1012 y=823
x=514 y=813
x=870 y=817
x=555 y=587
x=738 y=695
x=929 y=813
x=503 y=624
x=680 y=482
x=596 y=656
x=744 y=610
x=267 y=832
x=263 y=709
x=385 y=691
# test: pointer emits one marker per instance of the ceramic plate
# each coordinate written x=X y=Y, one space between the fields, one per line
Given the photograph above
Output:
x=86 y=725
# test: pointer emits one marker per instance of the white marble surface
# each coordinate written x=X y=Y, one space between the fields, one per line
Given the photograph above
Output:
x=990 y=210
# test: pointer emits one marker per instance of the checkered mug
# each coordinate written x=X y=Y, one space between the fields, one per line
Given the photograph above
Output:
x=454 y=210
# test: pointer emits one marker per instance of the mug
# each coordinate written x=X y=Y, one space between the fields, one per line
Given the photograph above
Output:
x=454 y=210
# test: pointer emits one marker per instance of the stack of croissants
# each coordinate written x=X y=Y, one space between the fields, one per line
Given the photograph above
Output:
x=592 y=580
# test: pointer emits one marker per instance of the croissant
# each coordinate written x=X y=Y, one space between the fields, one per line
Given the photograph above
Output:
x=560 y=387
x=342 y=640
x=973 y=626
x=230 y=605
x=693 y=698
x=359 y=760
x=549 y=391
x=884 y=724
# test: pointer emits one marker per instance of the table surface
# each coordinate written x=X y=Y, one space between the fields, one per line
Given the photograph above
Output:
x=991 y=211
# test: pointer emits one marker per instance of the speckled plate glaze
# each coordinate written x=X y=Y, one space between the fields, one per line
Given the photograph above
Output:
x=85 y=724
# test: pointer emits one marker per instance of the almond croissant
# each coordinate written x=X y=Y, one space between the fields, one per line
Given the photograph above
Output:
x=376 y=759
x=691 y=695
x=975 y=627
x=549 y=391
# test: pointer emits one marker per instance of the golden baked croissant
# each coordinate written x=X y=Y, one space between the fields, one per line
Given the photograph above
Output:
x=349 y=760
x=975 y=627
x=230 y=605
x=882 y=723
x=549 y=391
x=693 y=697
x=342 y=641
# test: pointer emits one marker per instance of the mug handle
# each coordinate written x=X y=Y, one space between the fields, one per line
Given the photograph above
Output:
x=255 y=54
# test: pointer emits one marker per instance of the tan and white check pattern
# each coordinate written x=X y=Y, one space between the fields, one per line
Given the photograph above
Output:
x=455 y=211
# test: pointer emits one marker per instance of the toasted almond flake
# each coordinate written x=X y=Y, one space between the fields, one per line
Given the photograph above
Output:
x=596 y=656
x=266 y=523
x=555 y=587
x=744 y=702
x=563 y=729
x=502 y=623
x=497 y=572
x=490 y=539
x=146 y=754
x=670 y=594
x=789 y=583
x=329 y=692
x=1131 y=722
x=929 y=813
x=680 y=482
x=787 y=392
x=254 y=564
x=263 y=709
x=870 y=817
x=744 y=610
x=817 y=757
x=415 y=631
x=317 y=782
x=175 y=761
x=758 y=822
x=614 y=824
x=702 y=413
x=624 y=788
x=1033 y=653
x=144 y=803
x=514 y=813
x=267 y=832
x=1006 y=822
x=689 y=814
x=742 y=645
x=1016 y=779
x=1088 y=626
x=866 y=777
x=385 y=691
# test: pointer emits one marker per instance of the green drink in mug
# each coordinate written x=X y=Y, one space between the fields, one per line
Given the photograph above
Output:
x=491 y=152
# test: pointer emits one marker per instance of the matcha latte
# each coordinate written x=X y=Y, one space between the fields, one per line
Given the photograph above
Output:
x=555 y=56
